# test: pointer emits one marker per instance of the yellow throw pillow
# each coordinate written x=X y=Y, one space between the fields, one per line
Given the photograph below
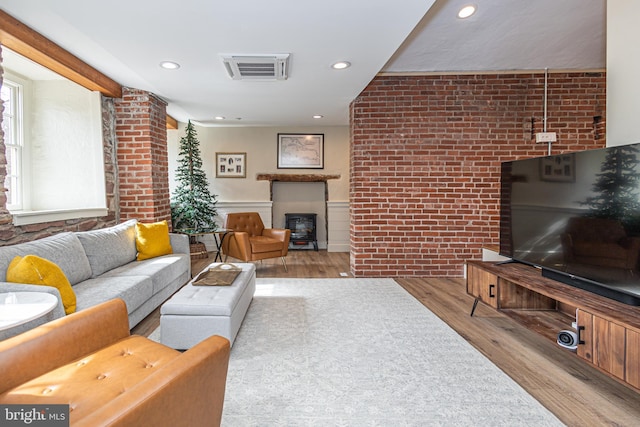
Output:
x=34 y=270
x=152 y=240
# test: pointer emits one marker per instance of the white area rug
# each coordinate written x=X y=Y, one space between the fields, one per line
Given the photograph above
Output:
x=362 y=352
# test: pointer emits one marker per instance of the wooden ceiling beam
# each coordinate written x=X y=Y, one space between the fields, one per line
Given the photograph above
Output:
x=171 y=122
x=33 y=45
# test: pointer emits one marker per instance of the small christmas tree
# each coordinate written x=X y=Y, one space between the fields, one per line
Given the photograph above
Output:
x=192 y=205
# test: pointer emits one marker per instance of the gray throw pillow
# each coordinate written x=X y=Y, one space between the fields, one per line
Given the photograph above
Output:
x=111 y=247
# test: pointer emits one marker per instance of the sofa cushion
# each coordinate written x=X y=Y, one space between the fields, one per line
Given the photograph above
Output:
x=163 y=270
x=63 y=249
x=134 y=290
x=34 y=270
x=110 y=247
x=152 y=240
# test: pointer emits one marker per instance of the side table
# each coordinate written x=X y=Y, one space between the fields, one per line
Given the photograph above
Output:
x=218 y=234
x=17 y=308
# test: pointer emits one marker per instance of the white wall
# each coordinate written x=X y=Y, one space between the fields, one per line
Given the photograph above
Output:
x=260 y=144
x=623 y=69
x=66 y=150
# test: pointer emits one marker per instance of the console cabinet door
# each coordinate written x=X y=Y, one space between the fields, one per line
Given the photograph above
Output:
x=633 y=358
x=603 y=343
x=483 y=285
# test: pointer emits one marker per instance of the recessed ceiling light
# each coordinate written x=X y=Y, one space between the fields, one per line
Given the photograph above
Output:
x=219 y=117
x=467 y=11
x=341 y=65
x=169 y=65
x=317 y=116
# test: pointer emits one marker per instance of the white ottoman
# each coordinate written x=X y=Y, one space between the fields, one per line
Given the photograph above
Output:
x=197 y=312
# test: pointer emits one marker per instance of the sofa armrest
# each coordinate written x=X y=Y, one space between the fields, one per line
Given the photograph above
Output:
x=179 y=243
x=187 y=391
x=54 y=344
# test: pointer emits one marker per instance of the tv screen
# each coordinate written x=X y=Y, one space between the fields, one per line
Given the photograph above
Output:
x=577 y=217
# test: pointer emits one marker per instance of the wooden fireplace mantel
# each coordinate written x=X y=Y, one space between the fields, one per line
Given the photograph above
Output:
x=307 y=177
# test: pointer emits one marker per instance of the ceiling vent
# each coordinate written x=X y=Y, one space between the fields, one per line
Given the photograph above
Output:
x=257 y=67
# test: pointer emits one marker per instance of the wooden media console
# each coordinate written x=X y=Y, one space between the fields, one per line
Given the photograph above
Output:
x=608 y=331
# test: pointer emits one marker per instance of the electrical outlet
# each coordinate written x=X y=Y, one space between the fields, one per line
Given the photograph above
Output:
x=545 y=137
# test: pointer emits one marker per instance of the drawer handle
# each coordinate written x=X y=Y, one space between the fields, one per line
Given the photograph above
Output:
x=492 y=291
x=580 y=340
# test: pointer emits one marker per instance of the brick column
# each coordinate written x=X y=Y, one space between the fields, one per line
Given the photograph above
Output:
x=143 y=165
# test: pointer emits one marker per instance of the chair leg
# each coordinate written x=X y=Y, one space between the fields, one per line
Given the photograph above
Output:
x=284 y=263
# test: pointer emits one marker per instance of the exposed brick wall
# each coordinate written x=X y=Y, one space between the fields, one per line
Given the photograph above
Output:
x=143 y=162
x=425 y=161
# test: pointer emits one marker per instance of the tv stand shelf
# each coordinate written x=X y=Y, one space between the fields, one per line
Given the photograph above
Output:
x=545 y=322
x=608 y=331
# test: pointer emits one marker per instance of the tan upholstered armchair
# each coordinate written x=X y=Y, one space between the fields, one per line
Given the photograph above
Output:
x=250 y=241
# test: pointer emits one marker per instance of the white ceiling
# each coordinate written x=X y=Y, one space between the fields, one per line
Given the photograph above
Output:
x=127 y=40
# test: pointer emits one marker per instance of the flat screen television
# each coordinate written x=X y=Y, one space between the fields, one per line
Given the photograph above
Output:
x=576 y=216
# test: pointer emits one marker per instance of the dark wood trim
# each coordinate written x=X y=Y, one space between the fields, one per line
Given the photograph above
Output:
x=33 y=45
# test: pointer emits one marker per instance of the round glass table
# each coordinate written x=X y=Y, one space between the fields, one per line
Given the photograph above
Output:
x=17 y=308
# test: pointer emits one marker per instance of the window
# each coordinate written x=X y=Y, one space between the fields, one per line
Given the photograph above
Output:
x=11 y=95
x=54 y=148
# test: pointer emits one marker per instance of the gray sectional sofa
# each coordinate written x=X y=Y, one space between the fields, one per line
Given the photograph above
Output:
x=101 y=265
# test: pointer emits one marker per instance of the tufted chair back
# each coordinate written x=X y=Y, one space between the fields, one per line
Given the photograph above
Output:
x=249 y=222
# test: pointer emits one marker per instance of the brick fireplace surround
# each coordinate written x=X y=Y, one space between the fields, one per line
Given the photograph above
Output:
x=425 y=156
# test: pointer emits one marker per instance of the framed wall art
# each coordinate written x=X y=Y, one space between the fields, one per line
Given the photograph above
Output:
x=231 y=165
x=560 y=168
x=300 y=151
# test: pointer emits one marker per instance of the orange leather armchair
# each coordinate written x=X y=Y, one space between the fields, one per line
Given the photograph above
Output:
x=250 y=241
x=89 y=361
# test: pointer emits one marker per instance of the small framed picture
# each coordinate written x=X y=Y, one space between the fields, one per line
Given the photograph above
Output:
x=231 y=165
x=560 y=168
x=300 y=151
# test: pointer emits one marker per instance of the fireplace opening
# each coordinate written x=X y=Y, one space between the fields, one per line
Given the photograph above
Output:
x=300 y=193
x=303 y=230
x=301 y=197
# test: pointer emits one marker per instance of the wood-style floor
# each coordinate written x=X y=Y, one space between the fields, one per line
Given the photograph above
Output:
x=576 y=393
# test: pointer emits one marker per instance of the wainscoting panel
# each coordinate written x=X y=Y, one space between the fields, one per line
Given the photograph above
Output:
x=338 y=224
